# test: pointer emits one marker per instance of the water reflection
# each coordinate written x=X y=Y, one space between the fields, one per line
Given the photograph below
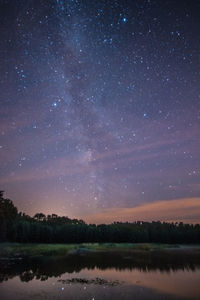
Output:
x=152 y=275
x=43 y=268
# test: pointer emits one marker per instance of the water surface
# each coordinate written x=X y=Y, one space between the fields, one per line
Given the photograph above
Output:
x=124 y=276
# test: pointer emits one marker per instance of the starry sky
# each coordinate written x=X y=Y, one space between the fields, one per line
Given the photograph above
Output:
x=100 y=108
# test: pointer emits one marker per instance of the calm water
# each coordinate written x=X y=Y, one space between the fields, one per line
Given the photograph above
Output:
x=96 y=277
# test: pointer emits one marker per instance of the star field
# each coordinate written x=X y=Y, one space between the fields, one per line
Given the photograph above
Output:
x=100 y=105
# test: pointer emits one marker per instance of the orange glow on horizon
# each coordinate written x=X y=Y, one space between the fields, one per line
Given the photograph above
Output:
x=185 y=210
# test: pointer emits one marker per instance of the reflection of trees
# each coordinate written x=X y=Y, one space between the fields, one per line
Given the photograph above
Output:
x=27 y=276
x=43 y=268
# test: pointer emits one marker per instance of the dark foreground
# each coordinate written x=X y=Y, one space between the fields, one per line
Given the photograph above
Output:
x=99 y=271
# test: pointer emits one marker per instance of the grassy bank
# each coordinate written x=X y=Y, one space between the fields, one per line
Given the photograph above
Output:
x=31 y=250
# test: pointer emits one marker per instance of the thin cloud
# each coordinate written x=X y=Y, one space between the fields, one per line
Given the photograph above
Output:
x=187 y=210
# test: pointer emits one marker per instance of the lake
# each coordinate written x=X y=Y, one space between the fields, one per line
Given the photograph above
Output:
x=95 y=276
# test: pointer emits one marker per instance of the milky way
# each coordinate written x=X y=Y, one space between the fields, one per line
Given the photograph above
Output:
x=100 y=106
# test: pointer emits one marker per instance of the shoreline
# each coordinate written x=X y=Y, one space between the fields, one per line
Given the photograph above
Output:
x=20 y=251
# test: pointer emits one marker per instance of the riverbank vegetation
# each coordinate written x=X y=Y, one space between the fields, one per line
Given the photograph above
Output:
x=16 y=250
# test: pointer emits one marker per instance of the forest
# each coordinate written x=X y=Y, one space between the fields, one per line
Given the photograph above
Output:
x=21 y=228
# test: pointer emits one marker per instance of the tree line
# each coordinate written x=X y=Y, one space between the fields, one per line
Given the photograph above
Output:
x=19 y=227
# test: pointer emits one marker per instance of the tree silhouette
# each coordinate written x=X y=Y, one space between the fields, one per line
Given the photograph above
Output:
x=19 y=227
x=8 y=214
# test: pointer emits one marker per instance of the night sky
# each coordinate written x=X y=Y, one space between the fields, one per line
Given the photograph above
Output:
x=100 y=108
